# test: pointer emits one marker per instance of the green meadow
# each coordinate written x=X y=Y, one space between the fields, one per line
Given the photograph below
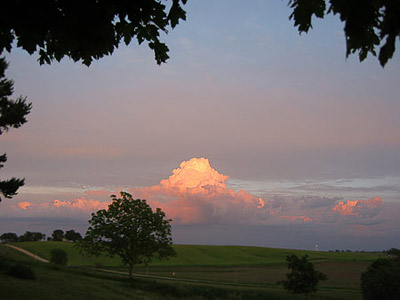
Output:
x=204 y=255
x=251 y=269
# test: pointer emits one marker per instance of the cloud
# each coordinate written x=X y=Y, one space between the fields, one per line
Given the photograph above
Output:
x=359 y=208
x=196 y=193
x=77 y=207
x=83 y=204
x=296 y=218
x=24 y=204
x=98 y=193
x=318 y=202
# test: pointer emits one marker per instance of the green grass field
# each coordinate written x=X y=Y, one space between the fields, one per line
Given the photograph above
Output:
x=195 y=255
x=75 y=283
x=236 y=265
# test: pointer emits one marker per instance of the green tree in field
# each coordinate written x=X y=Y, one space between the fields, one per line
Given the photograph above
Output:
x=59 y=257
x=9 y=237
x=381 y=280
x=303 y=278
x=57 y=235
x=31 y=237
x=73 y=236
x=130 y=229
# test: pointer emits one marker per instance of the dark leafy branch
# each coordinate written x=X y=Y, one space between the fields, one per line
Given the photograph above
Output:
x=85 y=30
x=368 y=24
x=12 y=115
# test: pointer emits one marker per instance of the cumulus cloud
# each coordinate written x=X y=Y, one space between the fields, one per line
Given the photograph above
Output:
x=359 y=208
x=196 y=193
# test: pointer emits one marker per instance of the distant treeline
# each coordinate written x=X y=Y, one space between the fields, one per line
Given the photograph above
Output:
x=57 y=235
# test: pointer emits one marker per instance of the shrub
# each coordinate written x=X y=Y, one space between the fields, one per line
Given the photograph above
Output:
x=381 y=280
x=58 y=257
x=21 y=271
x=4 y=265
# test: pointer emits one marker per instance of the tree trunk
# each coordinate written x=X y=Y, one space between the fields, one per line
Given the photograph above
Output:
x=131 y=271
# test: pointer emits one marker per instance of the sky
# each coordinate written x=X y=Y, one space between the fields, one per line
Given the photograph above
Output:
x=250 y=134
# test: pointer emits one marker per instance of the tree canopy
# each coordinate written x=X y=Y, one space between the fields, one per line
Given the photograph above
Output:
x=73 y=236
x=368 y=24
x=130 y=229
x=57 y=235
x=12 y=115
x=9 y=237
x=31 y=236
x=86 y=30
x=381 y=280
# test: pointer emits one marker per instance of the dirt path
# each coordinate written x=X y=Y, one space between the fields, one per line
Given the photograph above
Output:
x=28 y=253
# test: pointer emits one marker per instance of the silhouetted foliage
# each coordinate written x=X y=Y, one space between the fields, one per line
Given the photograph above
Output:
x=59 y=257
x=12 y=115
x=381 y=280
x=89 y=30
x=31 y=237
x=130 y=229
x=73 y=236
x=303 y=278
x=21 y=271
x=86 y=30
x=394 y=253
x=9 y=237
x=57 y=235
x=367 y=23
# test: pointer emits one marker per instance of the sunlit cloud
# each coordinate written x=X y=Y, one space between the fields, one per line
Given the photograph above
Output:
x=78 y=207
x=196 y=193
x=81 y=204
x=24 y=204
x=358 y=207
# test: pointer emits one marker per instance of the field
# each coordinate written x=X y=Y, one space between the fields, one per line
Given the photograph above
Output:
x=247 y=268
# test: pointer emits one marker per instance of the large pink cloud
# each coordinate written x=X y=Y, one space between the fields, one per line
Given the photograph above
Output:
x=196 y=193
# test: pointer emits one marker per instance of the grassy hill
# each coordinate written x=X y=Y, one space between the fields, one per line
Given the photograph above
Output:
x=75 y=283
x=196 y=255
x=254 y=267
